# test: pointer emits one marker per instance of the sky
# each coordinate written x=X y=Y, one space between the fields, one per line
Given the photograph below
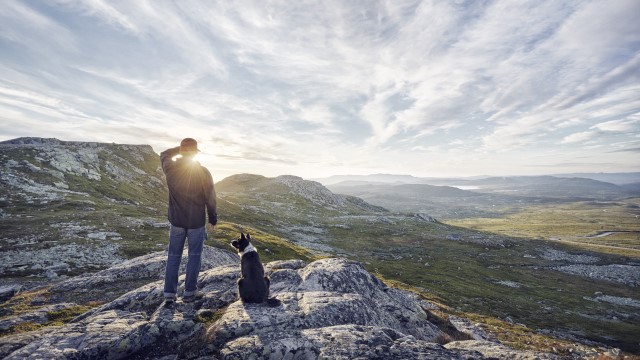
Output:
x=320 y=88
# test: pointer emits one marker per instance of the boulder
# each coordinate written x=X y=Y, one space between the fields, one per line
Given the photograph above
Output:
x=8 y=291
x=330 y=308
x=150 y=266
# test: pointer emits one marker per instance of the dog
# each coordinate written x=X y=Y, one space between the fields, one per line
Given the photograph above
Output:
x=253 y=286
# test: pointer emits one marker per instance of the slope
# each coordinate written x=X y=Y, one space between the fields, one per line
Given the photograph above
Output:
x=547 y=286
x=69 y=207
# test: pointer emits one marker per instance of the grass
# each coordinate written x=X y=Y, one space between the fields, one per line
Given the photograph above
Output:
x=23 y=302
x=466 y=275
x=209 y=317
x=270 y=247
x=30 y=301
x=63 y=316
x=572 y=223
x=55 y=318
x=513 y=334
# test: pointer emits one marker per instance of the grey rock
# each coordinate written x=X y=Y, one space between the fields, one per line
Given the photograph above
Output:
x=548 y=253
x=616 y=300
x=338 y=342
x=491 y=349
x=466 y=326
x=39 y=316
x=108 y=335
x=148 y=266
x=331 y=308
x=8 y=291
x=625 y=274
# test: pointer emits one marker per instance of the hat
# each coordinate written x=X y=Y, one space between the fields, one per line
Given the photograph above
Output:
x=188 y=145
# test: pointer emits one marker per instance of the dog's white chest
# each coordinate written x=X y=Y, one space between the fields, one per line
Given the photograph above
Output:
x=247 y=250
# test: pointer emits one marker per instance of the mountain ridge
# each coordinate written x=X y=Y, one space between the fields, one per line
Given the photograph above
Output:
x=623 y=178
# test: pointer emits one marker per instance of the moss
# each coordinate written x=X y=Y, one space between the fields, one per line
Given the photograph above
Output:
x=56 y=318
x=270 y=247
x=23 y=328
x=65 y=315
x=209 y=316
x=451 y=333
x=23 y=302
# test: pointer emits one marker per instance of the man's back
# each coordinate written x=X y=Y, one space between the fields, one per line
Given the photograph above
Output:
x=190 y=191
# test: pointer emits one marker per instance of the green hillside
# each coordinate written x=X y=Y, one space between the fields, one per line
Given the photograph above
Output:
x=471 y=271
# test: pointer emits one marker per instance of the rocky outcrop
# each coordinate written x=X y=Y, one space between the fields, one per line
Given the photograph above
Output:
x=620 y=273
x=52 y=159
x=150 y=266
x=311 y=190
x=39 y=316
x=59 y=198
x=330 y=308
x=493 y=350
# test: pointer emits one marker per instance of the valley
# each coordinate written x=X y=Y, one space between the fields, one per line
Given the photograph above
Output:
x=610 y=226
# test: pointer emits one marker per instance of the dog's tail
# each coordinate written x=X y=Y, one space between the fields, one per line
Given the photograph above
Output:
x=273 y=302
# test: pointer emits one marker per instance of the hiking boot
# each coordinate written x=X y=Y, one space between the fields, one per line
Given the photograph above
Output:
x=169 y=303
x=197 y=295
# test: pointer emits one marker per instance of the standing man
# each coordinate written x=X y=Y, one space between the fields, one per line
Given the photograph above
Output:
x=191 y=191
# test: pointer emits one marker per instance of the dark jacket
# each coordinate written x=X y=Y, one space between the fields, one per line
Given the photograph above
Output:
x=191 y=190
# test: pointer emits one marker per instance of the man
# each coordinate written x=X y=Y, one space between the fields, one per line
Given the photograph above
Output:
x=191 y=191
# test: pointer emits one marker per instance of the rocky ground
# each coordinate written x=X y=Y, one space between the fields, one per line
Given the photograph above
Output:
x=62 y=204
x=331 y=308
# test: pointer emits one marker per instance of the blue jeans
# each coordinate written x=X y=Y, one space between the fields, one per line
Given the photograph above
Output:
x=177 y=237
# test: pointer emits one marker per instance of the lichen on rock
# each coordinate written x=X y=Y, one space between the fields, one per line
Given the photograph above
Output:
x=330 y=308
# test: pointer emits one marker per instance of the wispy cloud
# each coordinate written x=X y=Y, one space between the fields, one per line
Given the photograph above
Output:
x=332 y=86
x=579 y=137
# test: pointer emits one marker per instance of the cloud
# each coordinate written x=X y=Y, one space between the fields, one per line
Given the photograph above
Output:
x=26 y=28
x=632 y=150
x=314 y=84
x=104 y=11
x=631 y=123
x=579 y=137
x=252 y=156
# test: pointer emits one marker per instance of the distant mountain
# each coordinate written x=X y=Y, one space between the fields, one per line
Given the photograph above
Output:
x=497 y=181
x=373 y=178
x=551 y=186
x=442 y=202
x=66 y=169
x=488 y=197
x=614 y=178
x=294 y=208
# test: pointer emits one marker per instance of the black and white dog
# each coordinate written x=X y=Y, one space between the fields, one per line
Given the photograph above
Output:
x=253 y=286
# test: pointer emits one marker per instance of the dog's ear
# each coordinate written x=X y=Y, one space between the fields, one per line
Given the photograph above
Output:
x=248 y=237
x=235 y=243
x=242 y=236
